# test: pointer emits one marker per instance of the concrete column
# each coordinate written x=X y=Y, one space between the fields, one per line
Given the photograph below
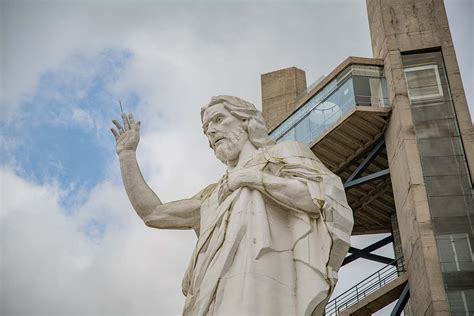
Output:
x=279 y=92
x=398 y=26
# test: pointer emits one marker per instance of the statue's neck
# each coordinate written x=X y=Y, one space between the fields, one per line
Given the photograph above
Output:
x=245 y=155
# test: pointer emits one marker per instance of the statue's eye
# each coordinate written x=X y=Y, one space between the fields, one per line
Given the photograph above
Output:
x=218 y=119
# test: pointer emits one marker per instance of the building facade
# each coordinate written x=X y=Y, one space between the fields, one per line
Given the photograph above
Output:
x=397 y=129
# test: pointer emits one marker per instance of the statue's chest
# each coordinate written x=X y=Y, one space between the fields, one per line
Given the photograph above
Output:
x=212 y=209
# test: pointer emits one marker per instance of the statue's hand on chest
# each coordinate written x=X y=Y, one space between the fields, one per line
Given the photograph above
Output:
x=238 y=178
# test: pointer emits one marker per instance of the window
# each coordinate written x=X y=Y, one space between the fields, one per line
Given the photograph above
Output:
x=290 y=135
x=423 y=82
x=302 y=131
x=455 y=252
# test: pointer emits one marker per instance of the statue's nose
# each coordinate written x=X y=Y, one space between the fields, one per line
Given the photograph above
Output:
x=211 y=130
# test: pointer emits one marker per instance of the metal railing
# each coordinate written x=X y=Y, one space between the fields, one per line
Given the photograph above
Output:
x=367 y=286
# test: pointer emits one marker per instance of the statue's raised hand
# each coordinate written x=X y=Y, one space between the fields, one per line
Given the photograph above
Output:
x=128 y=135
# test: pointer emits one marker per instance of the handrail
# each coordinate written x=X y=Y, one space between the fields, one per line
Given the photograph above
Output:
x=365 y=287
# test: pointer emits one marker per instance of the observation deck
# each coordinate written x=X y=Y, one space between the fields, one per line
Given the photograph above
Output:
x=343 y=118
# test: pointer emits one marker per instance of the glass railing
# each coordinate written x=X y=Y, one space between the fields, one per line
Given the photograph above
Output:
x=356 y=86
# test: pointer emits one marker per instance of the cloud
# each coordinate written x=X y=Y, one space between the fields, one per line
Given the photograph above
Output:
x=218 y=35
x=50 y=266
x=61 y=130
x=233 y=41
x=82 y=118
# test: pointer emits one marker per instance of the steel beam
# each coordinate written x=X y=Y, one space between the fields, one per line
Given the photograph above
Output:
x=371 y=177
x=366 y=252
x=379 y=244
x=402 y=301
x=358 y=253
x=368 y=160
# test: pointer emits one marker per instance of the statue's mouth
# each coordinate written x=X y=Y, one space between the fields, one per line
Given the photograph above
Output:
x=218 y=140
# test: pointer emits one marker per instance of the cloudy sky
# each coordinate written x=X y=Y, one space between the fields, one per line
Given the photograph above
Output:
x=70 y=242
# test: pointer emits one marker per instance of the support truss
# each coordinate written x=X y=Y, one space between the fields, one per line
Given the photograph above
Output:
x=355 y=179
x=366 y=252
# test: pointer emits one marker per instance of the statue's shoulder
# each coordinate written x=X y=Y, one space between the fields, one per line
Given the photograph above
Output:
x=289 y=148
x=207 y=191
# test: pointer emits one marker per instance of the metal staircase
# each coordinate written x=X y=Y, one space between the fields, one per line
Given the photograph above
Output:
x=373 y=293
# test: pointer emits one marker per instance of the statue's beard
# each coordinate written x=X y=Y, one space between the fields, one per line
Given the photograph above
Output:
x=229 y=149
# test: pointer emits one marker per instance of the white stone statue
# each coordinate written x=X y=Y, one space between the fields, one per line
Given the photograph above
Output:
x=272 y=233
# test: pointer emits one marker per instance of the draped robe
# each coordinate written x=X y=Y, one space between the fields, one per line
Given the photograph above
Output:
x=257 y=254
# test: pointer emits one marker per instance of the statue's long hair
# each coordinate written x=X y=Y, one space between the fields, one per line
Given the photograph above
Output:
x=243 y=110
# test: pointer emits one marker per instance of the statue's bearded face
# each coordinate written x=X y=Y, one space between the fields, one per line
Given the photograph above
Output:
x=226 y=133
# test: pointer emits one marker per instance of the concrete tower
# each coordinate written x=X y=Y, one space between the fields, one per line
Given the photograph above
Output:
x=430 y=148
x=397 y=129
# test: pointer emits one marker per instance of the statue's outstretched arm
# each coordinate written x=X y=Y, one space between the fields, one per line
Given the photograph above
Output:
x=179 y=214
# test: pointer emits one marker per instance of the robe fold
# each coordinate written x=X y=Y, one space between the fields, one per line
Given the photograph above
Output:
x=259 y=255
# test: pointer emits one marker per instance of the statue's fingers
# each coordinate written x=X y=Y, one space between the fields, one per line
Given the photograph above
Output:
x=126 y=123
x=137 y=126
x=223 y=192
x=119 y=127
x=116 y=134
x=131 y=119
